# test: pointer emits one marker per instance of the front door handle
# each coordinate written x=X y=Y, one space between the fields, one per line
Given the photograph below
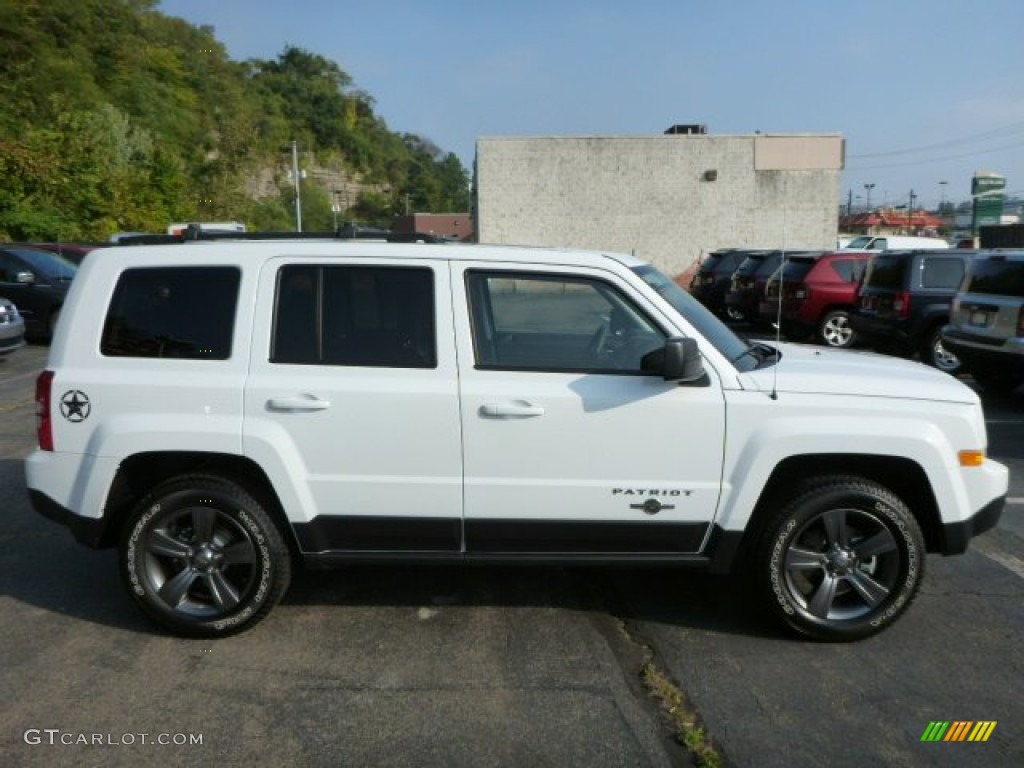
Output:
x=300 y=403
x=514 y=410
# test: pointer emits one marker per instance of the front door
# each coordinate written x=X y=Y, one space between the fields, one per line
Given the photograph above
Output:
x=569 y=448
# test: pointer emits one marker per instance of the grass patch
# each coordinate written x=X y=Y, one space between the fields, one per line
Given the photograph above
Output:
x=687 y=725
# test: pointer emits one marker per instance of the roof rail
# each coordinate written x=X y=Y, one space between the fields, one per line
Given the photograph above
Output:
x=194 y=233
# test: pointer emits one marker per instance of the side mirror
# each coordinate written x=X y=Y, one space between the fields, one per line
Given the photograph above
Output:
x=679 y=360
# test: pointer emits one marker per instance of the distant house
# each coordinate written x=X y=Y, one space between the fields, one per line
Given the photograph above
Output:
x=889 y=221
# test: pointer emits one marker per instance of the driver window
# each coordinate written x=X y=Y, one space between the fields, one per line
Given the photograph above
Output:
x=557 y=323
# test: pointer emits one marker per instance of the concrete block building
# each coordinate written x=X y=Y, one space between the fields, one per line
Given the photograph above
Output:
x=669 y=198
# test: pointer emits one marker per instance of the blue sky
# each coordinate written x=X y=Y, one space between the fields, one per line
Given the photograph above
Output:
x=923 y=92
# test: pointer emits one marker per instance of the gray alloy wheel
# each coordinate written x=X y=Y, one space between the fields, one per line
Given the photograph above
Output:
x=202 y=557
x=842 y=560
x=937 y=356
x=835 y=329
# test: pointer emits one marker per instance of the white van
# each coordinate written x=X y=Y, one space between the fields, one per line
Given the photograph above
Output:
x=894 y=242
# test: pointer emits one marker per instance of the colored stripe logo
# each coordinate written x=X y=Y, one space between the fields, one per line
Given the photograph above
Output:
x=959 y=730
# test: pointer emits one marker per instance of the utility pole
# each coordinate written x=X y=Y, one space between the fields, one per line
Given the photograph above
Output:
x=298 y=193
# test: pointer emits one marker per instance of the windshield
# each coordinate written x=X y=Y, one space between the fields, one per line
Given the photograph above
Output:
x=858 y=242
x=49 y=265
x=731 y=346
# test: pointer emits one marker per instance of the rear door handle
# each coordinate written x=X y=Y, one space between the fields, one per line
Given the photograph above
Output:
x=299 y=403
x=515 y=410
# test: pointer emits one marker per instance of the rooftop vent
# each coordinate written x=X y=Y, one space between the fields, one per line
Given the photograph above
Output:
x=687 y=129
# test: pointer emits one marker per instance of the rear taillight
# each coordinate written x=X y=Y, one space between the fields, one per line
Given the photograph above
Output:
x=901 y=304
x=44 y=425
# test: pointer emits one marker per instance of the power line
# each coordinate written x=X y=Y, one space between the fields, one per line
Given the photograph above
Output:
x=932 y=159
x=1006 y=130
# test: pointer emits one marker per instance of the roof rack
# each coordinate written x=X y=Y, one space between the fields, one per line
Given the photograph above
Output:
x=350 y=232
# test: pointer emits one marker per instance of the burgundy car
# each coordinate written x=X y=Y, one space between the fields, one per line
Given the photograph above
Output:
x=819 y=292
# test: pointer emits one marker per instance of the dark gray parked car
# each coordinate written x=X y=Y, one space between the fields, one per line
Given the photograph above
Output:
x=986 y=326
x=12 y=327
x=37 y=282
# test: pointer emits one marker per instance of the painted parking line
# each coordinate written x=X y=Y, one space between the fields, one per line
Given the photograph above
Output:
x=998 y=554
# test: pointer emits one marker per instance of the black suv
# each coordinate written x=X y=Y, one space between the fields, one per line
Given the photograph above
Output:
x=747 y=287
x=904 y=302
x=713 y=279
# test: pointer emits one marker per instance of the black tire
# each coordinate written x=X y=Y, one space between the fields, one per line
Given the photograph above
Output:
x=835 y=330
x=203 y=558
x=842 y=560
x=935 y=354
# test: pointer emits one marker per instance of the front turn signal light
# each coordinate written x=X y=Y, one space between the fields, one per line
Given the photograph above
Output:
x=971 y=458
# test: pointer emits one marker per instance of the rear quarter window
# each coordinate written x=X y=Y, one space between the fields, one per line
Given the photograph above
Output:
x=172 y=312
x=849 y=270
x=938 y=272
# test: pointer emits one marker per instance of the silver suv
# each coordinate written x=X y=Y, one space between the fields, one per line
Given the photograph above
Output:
x=986 y=329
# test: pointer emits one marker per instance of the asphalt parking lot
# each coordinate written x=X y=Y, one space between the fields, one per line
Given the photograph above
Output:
x=495 y=667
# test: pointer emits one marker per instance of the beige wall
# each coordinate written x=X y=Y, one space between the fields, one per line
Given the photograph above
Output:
x=670 y=199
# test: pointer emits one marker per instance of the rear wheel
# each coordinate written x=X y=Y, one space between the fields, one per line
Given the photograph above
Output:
x=203 y=558
x=842 y=560
x=936 y=355
x=735 y=315
x=835 y=329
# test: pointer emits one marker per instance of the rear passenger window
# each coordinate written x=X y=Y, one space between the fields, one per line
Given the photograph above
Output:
x=355 y=316
x=172 y=312
x=941 y=273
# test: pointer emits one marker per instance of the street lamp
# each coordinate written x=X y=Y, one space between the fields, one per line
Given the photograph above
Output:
x=867 y=190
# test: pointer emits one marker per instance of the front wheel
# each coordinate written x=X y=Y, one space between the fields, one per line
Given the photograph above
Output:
x=835 y=329
x=842 y=560
x=203 y=558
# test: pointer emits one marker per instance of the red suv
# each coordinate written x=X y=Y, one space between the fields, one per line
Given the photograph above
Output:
x=819 y=292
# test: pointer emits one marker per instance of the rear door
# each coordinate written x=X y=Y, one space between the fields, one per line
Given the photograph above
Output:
x=569 y=448
x=352 y=401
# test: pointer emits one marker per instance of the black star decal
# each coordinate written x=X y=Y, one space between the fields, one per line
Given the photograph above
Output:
x=74 y=405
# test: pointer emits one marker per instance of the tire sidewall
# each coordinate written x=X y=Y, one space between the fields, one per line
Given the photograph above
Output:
x=260 y=594
x=891 y=513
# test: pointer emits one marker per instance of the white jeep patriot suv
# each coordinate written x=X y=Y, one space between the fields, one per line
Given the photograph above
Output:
x=223 y=411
